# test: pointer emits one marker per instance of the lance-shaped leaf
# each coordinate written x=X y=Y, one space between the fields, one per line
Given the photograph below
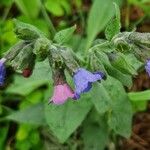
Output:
x=100 y=13
x=114 y=25
x=125 y=79
x=31 y=115
x=64 y=35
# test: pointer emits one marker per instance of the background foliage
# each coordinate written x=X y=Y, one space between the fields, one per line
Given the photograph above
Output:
x=27 y=121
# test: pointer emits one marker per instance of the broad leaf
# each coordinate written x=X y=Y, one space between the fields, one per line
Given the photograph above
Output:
x=24 y=86
x=120 y=114
x=63 y=120
x=31 y=115
x=95 y=137
x=64 y=35
x=100 y=98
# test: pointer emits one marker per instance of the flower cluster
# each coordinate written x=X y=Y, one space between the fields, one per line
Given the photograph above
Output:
x=34 y=46
x=82 y=78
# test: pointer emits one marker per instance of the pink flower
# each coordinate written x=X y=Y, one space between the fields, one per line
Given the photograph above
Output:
x=61 y=93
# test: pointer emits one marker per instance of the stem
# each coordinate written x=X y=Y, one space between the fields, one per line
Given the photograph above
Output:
x=48 y=20
x=127 y=20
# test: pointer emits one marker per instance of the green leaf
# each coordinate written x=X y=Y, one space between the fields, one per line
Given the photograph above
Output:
x=139 y=96
x=30 y=9
x=95 y=137
x=122 y=63
x=125 y=79
x=3 y=133
x=31 y=115
x=24 y=86
x=120 y=114
x=64 y=35
x=100 y=13
x=114 y=25
x=100 y=98
x=63 y=120
x=58 y=8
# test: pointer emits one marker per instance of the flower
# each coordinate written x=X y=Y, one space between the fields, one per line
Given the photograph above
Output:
x=61 y=93
x=147 y=67
x=2 y=71
x=83 y=80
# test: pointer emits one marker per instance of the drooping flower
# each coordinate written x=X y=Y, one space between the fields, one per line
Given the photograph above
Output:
x=61 y=93
x=83 y=80
x=147 y=67
x=2 y=71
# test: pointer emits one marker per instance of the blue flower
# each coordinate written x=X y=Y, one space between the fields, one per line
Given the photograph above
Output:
x=2 y=71
x=83 y=80
x=147 y=67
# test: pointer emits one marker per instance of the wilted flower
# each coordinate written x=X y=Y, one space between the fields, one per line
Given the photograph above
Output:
x=61 y=93
x=147 y=67
x=83 y=80
x=2 y=71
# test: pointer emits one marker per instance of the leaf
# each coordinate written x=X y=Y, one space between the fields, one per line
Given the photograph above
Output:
x=64 y=35
x=100 y=98
x=125 y=79
x=30 y=9
x=31 y=115
x=23 y=86
x=100 y=13
x=122 y=63
x=63 y=120
x=3 y=133
x=139 y=96
x=58 y=8
x=120 y=114
x=114 y=25
x=54 y=7
x=95 y=137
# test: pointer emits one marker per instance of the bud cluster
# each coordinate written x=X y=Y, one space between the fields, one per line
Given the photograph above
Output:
x=34 y=46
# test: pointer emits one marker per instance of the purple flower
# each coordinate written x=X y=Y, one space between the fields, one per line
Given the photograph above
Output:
x=83 y=80
x=2 y=71
x=147 y=67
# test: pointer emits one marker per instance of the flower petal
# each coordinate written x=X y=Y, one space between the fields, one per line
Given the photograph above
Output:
x=61 y=93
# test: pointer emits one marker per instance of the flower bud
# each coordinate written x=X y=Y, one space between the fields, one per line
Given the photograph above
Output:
x=41 y=47
x=25 y=58
x=13 y=51
x=140 y=38
x=69 y=59
x=26 y=31
x=27 y=72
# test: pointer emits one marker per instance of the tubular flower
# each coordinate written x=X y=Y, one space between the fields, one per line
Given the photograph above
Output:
x=147 y=67
x=61 y=93
x=83 y=80
x=2 y=71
